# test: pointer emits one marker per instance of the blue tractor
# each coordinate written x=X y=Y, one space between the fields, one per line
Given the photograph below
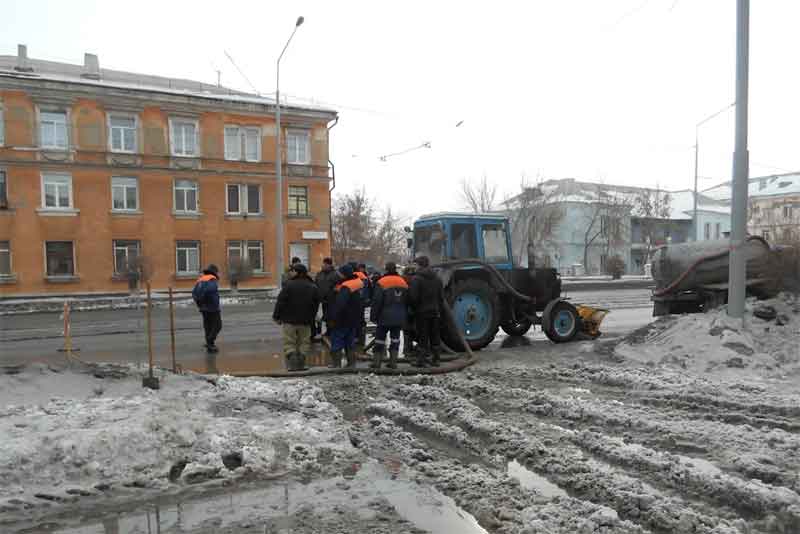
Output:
x=471 y=254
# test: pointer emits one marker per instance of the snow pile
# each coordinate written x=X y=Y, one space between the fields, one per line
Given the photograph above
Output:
x=714 y=342
x=68 y=433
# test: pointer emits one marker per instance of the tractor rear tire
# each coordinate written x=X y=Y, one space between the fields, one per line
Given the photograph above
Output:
x=517 y=328
x=560 y=321
x=475 y=302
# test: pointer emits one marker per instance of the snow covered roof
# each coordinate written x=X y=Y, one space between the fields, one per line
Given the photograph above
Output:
x=681 y=203
x=762 y=186
x=37 y=69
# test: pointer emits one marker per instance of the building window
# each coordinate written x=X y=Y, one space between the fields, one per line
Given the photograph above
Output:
x=60 y=256
x=717 y=231
x=187 y=255
x=125 y=253
x=3 y=190
x=707 y=231
x=183 y=137
x=297 y=150
x=765 y=234
x=56 y=191
x=298 y=200
x=5 y=258
x=124 y=193
x=2 y=127
x=787 y=212
x=122 y=133
x=239 y=141
x=53 y=130
x=243 y=199
x=250 y=251
x=186 y=196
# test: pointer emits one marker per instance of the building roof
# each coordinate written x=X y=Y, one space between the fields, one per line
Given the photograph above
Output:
x=761 y=186
x=495 y=215
x=681 y=203
x=90 y=74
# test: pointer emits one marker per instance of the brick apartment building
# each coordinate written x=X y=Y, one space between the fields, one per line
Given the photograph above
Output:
x=98 y=167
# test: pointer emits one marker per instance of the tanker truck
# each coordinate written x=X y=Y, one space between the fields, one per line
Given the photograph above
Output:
x=693 y=277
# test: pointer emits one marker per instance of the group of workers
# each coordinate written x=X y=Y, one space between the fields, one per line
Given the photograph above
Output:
x=407 y=304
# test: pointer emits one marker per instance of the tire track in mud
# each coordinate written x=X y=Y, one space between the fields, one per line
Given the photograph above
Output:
x=768 y=454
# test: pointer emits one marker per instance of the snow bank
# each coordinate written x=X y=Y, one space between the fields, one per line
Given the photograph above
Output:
x=68 y=433
x=714 y=342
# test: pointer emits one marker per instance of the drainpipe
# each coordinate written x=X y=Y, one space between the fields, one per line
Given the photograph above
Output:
x=333 y=186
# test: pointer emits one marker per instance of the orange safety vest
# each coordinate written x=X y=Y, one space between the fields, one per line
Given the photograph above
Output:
x=392 y=280
x=353 y=284
x=206 y=278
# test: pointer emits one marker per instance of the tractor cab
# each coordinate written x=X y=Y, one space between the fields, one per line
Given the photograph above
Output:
x=453 y=236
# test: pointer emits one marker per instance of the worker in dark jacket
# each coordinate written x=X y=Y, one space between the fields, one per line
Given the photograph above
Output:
x=388 y=312
x=206 y=295
x=409 y=328
x=296 y=310
x=326 y=280
x=346 y=313
x=360 y=270
x=426 y=293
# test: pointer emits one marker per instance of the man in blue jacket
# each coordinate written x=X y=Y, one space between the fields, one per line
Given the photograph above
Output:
x=206 y=296
x=345 y=314
x=389 y=312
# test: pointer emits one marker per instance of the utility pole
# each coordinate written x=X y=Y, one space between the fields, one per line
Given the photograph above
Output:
x=695 y=228
x=278 y=163
x=737 y=269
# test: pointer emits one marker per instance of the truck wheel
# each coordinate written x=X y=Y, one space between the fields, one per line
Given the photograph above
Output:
x=519 y=327
x=560 y=321
x=475 y=310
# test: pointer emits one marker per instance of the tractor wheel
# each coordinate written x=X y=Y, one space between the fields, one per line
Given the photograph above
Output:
x=519 y=327
x=475 y=309
x=560 y=321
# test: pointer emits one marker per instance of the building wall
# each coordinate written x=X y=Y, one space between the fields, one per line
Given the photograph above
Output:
x=712 y=219
x=93 y=227
x=775 y=218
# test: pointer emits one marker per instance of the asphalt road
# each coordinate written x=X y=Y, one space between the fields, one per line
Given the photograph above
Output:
x=249 y=339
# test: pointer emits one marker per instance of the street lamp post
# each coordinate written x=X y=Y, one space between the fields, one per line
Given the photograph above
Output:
x=697 y=159
x=737 y=268
x=278 y=162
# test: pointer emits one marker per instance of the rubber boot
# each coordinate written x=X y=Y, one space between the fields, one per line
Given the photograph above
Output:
x=378 y=353
x=408 y=344
x=335 y=359
x=420 y=360
x=291 y=362
x=351 y=357
x=392 y=359
x=435 y=357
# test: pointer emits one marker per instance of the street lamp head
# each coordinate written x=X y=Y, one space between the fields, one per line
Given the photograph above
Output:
x=300 y=20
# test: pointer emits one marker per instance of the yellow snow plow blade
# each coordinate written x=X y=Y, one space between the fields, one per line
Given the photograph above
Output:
x=591 y=319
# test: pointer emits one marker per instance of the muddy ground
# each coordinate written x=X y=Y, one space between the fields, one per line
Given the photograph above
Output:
x=540 y=438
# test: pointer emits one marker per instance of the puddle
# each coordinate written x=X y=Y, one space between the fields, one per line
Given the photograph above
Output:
x=530 y=480
x=265 y=509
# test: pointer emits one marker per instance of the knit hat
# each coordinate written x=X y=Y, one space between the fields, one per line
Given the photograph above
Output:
x=346 y=270
x=299 y=268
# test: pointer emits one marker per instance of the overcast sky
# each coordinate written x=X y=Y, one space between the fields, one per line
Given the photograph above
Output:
x=595 y=90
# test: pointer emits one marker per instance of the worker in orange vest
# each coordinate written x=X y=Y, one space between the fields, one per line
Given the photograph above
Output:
x=389 y=313
x=345 y=316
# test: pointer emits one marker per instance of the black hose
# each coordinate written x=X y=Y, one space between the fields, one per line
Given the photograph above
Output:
x=492 y=269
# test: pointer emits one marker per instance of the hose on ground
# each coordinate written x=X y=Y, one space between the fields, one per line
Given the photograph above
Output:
x=492 y=269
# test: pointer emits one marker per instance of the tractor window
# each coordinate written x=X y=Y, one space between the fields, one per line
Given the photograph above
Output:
x=429 y=241
x=464 y=245
x=494 y=243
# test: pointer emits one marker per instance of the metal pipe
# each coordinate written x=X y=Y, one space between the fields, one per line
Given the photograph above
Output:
x=333 y=186
x=738 y=267
x=172 y=329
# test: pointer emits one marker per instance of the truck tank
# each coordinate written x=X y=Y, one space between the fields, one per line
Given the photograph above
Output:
x=687 y=266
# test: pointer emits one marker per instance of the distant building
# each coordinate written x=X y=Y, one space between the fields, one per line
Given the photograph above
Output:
x=773 y=206
x=577 y=226
x=103 y=171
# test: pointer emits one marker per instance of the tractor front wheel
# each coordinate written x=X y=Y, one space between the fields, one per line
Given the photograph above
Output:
x=519 y=327
x=475 y=309
x=560 y=321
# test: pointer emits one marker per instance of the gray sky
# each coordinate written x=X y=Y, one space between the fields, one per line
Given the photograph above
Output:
x=596 y=90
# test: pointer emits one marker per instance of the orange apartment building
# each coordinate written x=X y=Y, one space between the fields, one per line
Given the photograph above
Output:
x=98 y=167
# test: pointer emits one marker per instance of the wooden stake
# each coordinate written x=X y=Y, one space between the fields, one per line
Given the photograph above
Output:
x=67 y=330
x=172 y=329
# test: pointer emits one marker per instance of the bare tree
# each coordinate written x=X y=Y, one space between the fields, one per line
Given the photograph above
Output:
x=239 y=270
x=389 y=240
x=534 y=217
x=480 y=197
x=605 y=222
x=353 y=226
x=653 y=208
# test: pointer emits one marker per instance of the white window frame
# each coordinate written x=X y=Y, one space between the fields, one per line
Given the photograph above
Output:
x=69 y=186
x=175 y=189
x=787 y=212
x=289 y=204
x=135 y=118
x=237 y=145
x=67 y=136
x=114 y=248
x=173 y=121
x=291 y=158
x=74 y=259
x=243 y=190
x=717 y=230
x=4 y=201
x=244 y=251
x=178 y=248
x=124 y=187
x=706 y=231
x=257 y=131
x=10 y=258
